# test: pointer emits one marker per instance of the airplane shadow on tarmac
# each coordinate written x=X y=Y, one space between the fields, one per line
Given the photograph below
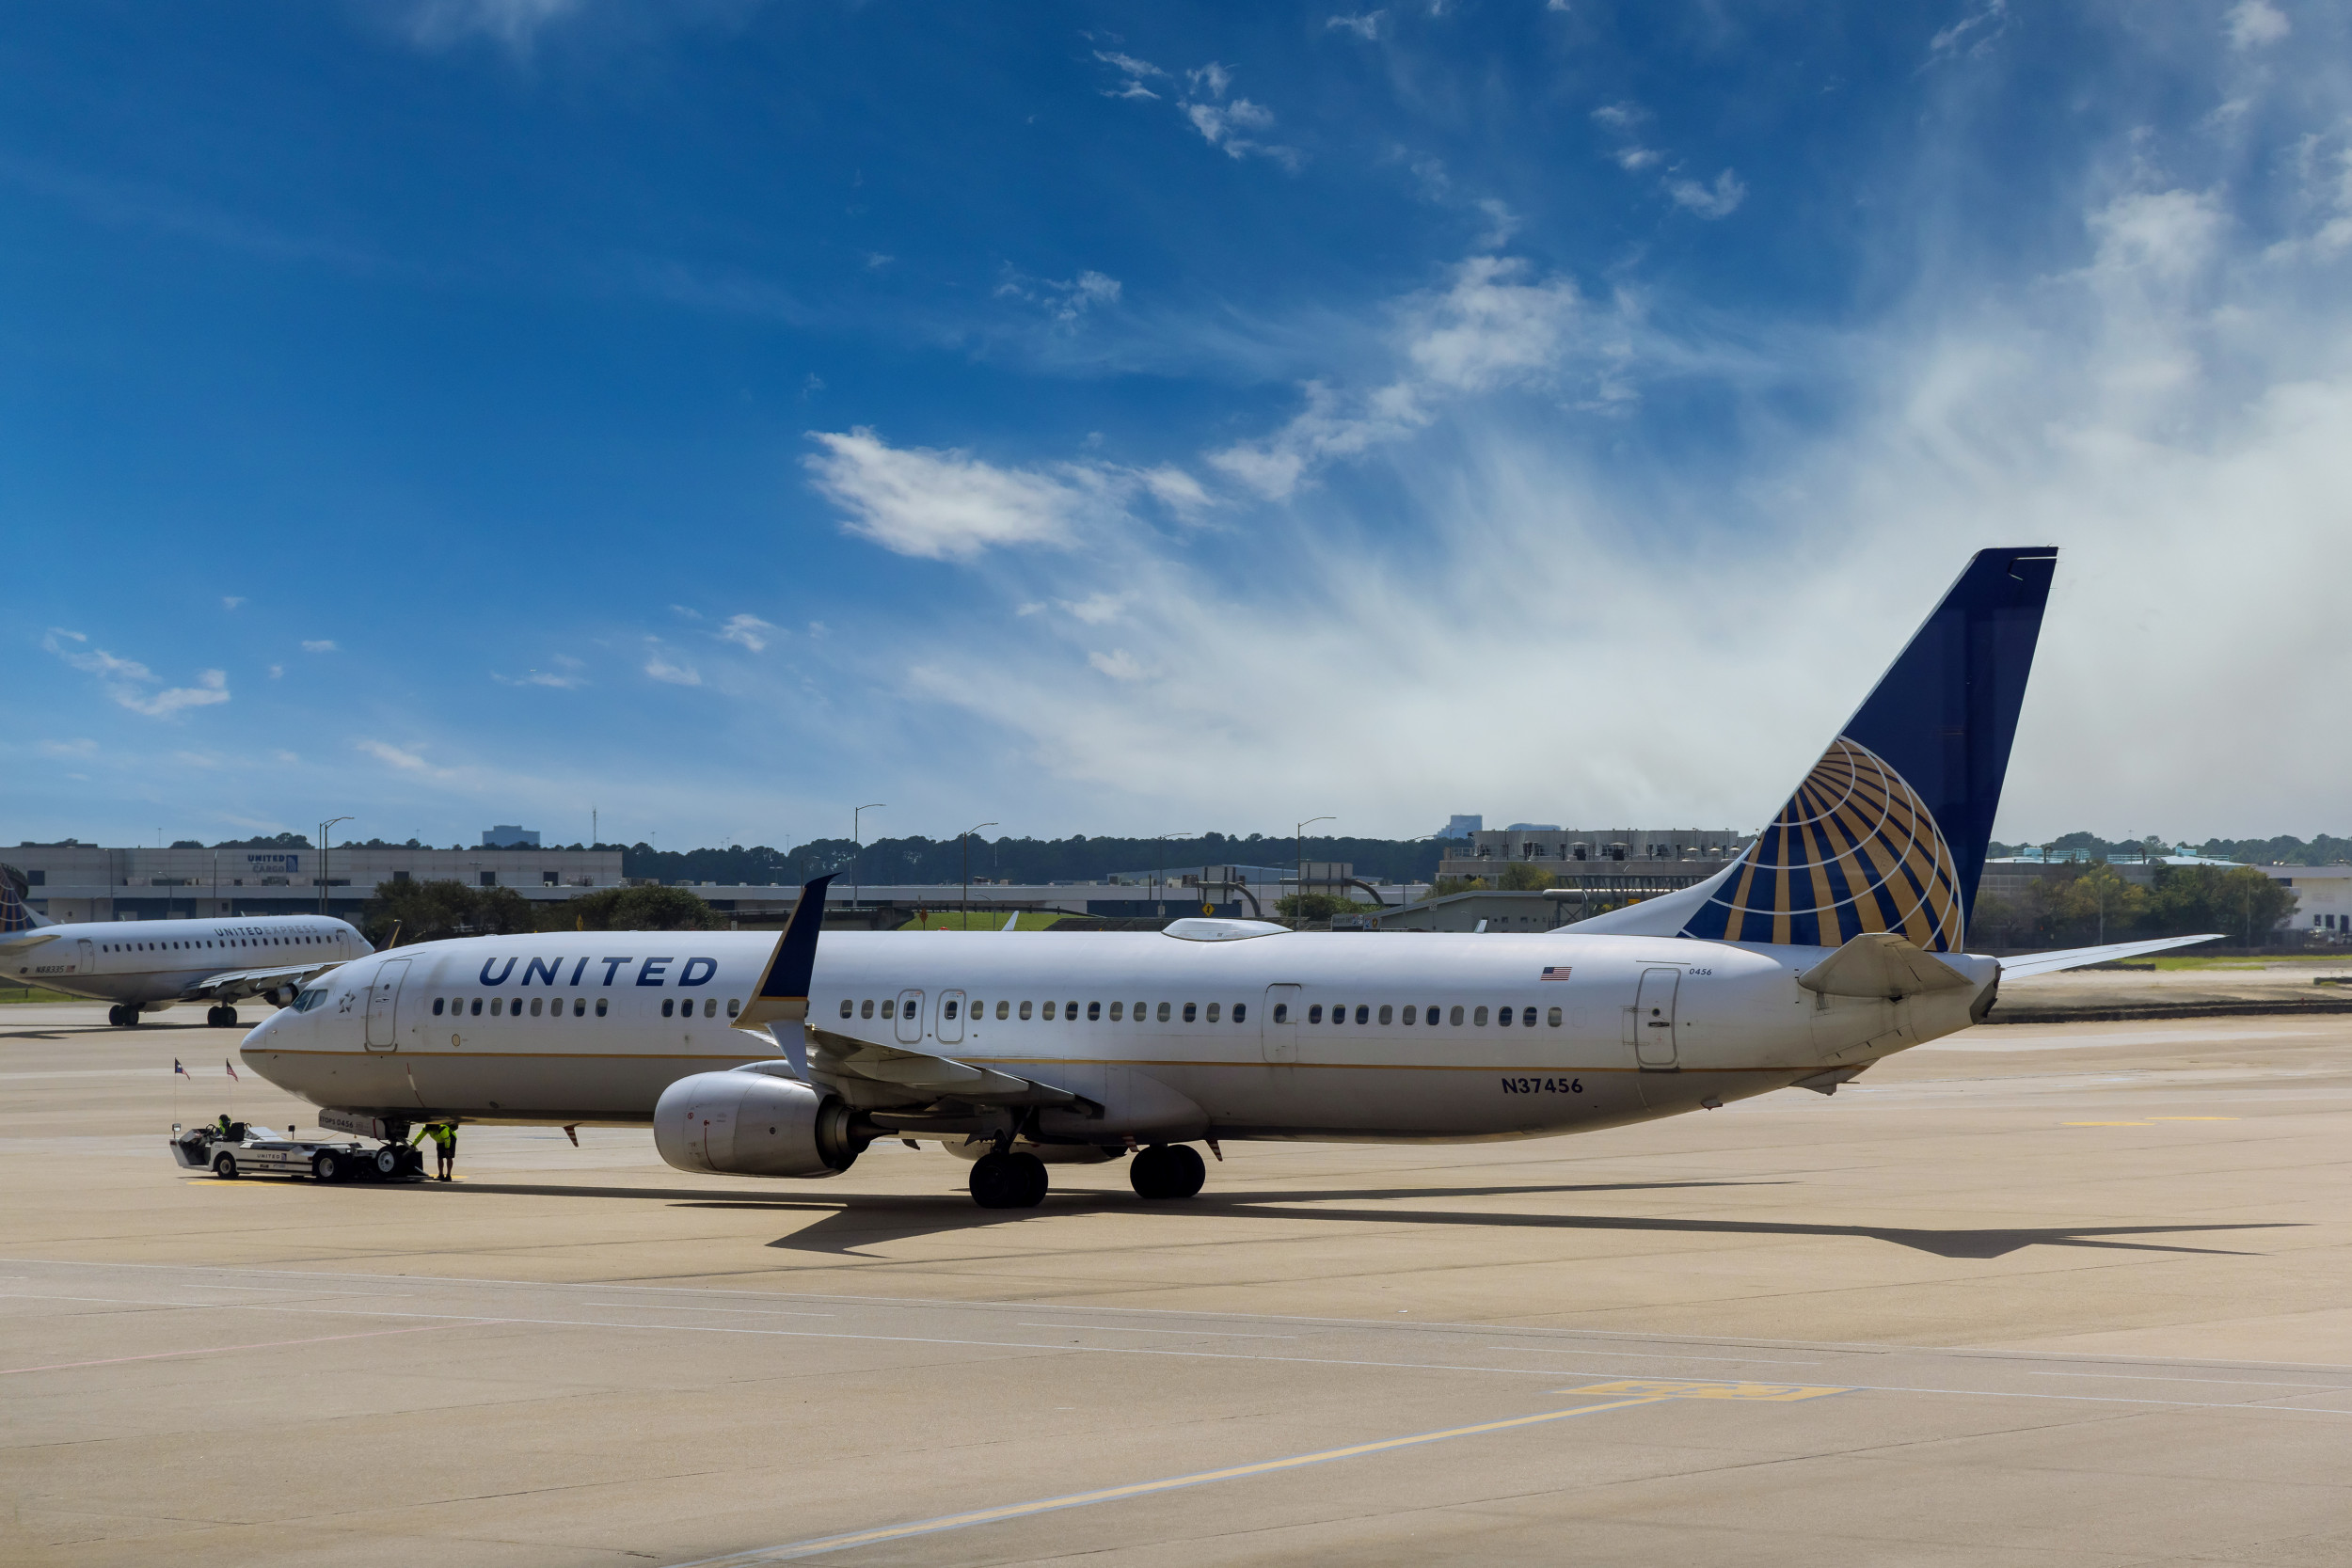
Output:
x=852 y=1223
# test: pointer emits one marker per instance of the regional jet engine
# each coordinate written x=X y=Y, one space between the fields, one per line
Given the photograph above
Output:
x=753 y=1124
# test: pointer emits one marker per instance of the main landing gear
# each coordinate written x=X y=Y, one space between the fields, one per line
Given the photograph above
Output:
x=1166 y=1171
x=123 y=1015
x=221 y=1018
x=1009 y=1180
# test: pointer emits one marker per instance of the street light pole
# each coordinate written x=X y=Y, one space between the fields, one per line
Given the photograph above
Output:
x=1301 y=831
x=857 y=846
x=323 y=831
x=967 y=870
x=1160 y=903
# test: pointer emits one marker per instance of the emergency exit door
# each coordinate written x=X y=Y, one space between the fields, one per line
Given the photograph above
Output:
x=1654 y=1018
x=383 y=1005
x=1277 y=1024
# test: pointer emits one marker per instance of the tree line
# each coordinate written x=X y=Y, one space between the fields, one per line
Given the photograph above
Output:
x=2091 y=904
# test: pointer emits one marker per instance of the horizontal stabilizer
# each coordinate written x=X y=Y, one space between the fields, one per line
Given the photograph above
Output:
x=2078 y=958
x=1880 y=963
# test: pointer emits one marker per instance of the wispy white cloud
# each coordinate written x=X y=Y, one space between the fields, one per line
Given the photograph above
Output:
x=513 y=24
x=945 y=505
x=323 y=645
x=1975 y=33
x=1118 y=664
x=2255 y=22
x=69 y=750
x=1064 y=299
x=1365 y=25
x=663 y=668
x=1135 y=73
x=128 y=682
x=407 y=761
x=1718 y=200
x=749 y=631
x=1095 y=610
x=231 y=601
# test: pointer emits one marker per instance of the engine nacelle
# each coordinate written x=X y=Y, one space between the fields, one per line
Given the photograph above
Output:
x=753 y=1124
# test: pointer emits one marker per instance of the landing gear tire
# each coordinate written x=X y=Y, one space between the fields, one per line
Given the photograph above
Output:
x=123 y=1015
x=326 y=1167
x=1008 y=1182
x=221 y=1018
x=387 y=1161
x=1166 y=1171
x=225 y=1166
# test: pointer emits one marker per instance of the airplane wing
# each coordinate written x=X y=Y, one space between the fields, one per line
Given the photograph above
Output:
x=2075 y=958
x=238 y=984
x=869 y=1074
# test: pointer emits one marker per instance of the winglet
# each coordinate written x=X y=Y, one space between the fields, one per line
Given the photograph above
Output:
x=782 y=994
x=1012 y=921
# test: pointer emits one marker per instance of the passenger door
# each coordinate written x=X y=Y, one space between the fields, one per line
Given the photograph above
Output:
x=950 y=1018
x=383 y=1003
x=85 y=957
x=910 y=1018
x=1277 y=1024
x=1653 y=1020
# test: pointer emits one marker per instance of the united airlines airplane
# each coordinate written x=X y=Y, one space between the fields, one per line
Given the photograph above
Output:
x=1837 y=939
x=144 y=966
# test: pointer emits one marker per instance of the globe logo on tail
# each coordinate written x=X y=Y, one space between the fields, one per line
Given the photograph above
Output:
x=1854 y=850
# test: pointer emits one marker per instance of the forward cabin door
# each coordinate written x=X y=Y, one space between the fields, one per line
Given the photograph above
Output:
x=86 y=957
x=1653 y=1020
x=1277 y=1024
x=382 y=1004
x=950 y=1024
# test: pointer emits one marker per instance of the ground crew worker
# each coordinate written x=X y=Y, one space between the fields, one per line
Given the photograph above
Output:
x=223 y=1124
x=444 y=1136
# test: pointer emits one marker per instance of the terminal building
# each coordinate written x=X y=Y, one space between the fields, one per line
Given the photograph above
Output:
x=70 y=882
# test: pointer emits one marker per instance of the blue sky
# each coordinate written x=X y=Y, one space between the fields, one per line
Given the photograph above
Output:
x=1148 y=418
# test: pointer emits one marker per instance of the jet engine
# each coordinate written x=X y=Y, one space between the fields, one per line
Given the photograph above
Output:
x=753 y=1124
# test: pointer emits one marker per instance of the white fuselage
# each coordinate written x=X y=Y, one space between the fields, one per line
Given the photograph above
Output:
x=1316 y=1036
x=148 y=961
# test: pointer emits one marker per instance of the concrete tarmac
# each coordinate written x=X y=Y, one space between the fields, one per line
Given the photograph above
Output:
x=2074 y=1295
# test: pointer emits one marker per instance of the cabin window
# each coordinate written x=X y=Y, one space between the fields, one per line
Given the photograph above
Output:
x=1070 y=1011
x=1281 y=1013
x=1141 y=1009
x=1387 y=1012
x=1118 y=1011
x=710 y=1007
x=1363 y=1013
x=1554 y=1017
x=1527 y=1017
x=535 y=1006
x=1241 y=1012
x=496 y=1002
x=948 y=1010
x=1094 y=1012
x=668 y=1006
x=866 y=1008
x=1502 y=1017
x=1213 y=1007
x=601 y=1003
x=1001 y=1007
x=1479 y=1018
x=847 y=1007
x=1049 y=1011
x=1314 y=1014
x=579 y=1007
x=1025 y=1012
x=1163 y=1012
x=437 y=1006
x=1411 y=1013
x=1189 y=1012
x=890 y=1007
x=1454 y=1018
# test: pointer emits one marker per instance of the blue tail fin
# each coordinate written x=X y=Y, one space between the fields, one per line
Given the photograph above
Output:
x=14 y=914
x=1888 y=832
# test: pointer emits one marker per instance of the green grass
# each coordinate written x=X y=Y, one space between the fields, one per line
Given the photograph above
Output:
x=35 y=993
x=981 y=920
x=2185 y=962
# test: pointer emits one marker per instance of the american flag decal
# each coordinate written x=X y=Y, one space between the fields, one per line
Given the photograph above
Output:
x=1555 y=971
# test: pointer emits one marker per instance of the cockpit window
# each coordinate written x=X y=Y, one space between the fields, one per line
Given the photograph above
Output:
x=309 y=997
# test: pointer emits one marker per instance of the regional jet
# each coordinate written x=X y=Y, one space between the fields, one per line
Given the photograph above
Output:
x=1837 y=939
x=144 y=966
